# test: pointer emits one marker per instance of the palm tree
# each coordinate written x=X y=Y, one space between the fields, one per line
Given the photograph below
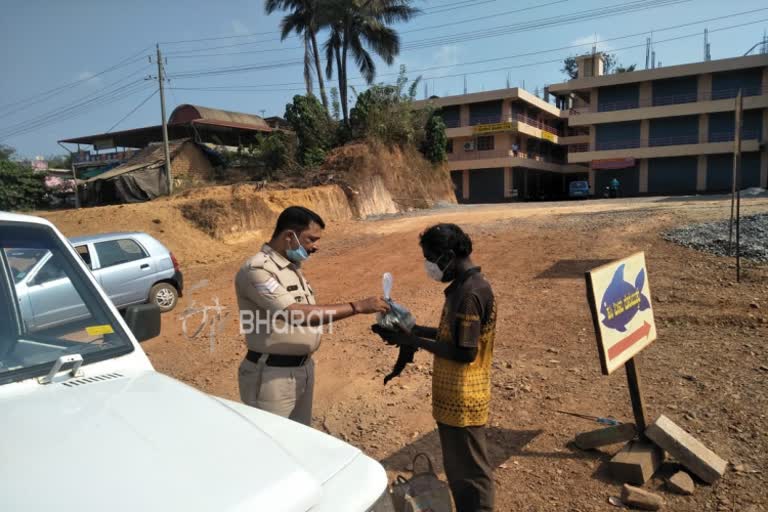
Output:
x=303 y=20
x=358 y=26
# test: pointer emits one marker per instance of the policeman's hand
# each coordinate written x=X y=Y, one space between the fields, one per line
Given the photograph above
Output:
x=371 y=305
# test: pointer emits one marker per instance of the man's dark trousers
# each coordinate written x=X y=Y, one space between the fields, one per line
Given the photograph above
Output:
x=467 y=467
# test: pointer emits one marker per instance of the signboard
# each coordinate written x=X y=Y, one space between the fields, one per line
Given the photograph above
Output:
x=620 y=299
x=613 y=163
x=103 y=144
x=547 y=136
x=490 y=128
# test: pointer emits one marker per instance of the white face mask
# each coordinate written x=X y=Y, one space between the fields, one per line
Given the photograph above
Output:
x=433 y=270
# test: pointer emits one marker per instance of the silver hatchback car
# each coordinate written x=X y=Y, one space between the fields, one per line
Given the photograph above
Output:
x=132 y=268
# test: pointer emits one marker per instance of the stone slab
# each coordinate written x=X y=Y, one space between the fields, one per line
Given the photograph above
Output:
x=605 y=436
x=639 y=498
x=689 y=451
x=636 y=462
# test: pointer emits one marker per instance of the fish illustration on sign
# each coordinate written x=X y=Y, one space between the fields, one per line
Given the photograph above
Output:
x=622 y=300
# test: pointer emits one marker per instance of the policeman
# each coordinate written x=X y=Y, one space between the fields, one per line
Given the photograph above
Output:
x=280 y=320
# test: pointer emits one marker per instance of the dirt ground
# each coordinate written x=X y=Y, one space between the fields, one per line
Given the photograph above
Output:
x=707 y=371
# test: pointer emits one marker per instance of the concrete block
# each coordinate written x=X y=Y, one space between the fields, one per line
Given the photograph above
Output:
x=638 y=498
x=636 y=462
x=681 y=483
x=605 y=436
x=688 y=450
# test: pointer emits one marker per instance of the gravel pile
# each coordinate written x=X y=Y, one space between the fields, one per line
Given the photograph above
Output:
x=712 y=237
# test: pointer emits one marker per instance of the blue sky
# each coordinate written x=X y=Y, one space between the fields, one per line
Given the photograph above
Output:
x=48 y=43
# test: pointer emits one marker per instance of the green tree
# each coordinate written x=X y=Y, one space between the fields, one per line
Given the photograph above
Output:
x=335 y=105
x=6 y=152
x=435 y=142
x=570 y=68
x=610 y=65
x=313 y=128
x=304 y=21
x=59 y=161
x=355 y=27
x=385 y=112
x=22 y=189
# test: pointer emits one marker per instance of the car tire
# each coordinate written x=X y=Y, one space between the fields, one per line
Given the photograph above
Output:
x=165 y=295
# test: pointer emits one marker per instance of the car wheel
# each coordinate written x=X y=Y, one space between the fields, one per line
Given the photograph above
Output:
x=164 y=295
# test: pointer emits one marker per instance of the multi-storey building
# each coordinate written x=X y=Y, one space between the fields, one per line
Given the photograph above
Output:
x=668 y=130
x=507 y=144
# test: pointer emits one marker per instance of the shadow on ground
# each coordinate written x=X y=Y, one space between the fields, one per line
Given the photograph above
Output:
x=570 y=269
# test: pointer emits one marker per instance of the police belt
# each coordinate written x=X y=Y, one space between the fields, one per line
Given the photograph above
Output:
x=277 y=359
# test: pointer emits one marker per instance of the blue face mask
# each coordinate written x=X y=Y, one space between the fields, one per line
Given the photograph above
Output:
x=297 y=255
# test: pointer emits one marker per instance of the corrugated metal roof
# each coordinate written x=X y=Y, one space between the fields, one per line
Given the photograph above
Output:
x=195 y=113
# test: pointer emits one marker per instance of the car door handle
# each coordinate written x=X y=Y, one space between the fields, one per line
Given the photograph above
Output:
x=146 y=265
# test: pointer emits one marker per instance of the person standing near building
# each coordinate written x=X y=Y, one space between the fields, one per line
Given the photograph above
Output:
x=615 y=187
x=280 y=320
x=462 y=345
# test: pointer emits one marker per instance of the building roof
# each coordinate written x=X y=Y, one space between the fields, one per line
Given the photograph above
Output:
x=205 y=115
x=186 y=121
x=151 y=156
x=696 y=68
x=514 y=93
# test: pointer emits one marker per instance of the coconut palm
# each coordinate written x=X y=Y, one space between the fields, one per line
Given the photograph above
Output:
x=302 y=18
x=357 y=26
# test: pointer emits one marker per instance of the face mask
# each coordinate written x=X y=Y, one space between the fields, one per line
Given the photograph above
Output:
x=297 y=255
x=433 y=270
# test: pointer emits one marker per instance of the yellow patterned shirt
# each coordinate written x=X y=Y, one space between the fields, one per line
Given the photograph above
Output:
x=461 y=392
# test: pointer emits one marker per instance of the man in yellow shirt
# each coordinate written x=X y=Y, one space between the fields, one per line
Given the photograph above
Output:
x=461 y=379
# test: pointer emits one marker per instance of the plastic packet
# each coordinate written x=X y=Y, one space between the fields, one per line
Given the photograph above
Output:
x=398 y=314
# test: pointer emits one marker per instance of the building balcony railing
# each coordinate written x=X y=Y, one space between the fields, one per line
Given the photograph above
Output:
x=674 y=99
x=493 y=119
x=463 y=156
x=663 y=141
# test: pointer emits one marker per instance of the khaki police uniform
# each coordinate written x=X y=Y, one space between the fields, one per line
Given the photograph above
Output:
x=277 y=374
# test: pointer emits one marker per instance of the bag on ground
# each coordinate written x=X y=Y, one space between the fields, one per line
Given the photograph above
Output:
x=424 y=492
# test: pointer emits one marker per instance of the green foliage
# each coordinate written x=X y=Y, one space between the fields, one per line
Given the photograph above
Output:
x=570 y=68
x=357 y=26
x=314 y=130
x=59 y=161
x=6 y=152
x=385 y=113
x=21 y=190
x=610 y=65
x=335 y=104
x=435 y=141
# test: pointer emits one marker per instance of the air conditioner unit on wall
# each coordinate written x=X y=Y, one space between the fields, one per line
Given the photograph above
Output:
x=469 y=145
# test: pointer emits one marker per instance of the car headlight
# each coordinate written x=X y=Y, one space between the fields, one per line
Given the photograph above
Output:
x=383 y=504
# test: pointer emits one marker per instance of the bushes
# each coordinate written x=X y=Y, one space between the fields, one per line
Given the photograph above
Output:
x=435 y=140
x=21 y=190
x=315 y=131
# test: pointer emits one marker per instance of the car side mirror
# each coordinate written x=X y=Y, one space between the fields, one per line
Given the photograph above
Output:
x=143 y=320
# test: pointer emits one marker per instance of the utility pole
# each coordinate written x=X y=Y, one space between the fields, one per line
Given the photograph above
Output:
x=647 y=53
x=160 y=80
x=736 y=186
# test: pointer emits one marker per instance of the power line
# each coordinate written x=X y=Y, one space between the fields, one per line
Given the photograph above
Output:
x=505 y=68
x=189 y=54
x=45 y=95
x=137 y=107
x=483 y=61
x=104 y=95
x=499 y=30
x=436 y=10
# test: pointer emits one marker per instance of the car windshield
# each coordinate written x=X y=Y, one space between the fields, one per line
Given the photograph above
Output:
x=48 y=306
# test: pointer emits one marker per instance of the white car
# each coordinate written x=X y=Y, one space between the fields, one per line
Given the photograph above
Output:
x=87 y=424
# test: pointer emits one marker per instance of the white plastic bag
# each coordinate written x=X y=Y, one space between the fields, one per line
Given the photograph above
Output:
x=398 y=315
